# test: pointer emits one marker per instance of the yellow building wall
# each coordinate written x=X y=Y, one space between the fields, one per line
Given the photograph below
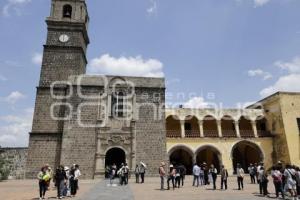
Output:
x=224 y=146
x=290 y=110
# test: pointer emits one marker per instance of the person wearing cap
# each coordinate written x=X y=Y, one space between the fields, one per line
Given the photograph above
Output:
x=162 y=174
x=171 y=177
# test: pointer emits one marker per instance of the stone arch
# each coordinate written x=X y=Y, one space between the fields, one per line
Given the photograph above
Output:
x=191 y=126
x=228 y=126
x=246 y=152
x=210 y=126
x=182 y=155
x=115 y=155
x=245 y=125
x=173 y=128
x=209 y=154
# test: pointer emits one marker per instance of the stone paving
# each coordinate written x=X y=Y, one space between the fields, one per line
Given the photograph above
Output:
x=102 y=190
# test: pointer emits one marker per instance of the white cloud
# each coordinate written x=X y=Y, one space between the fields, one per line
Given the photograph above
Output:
x=258 y=3
x=13 y=97
x=153 y=8
x=291 y=67
x=196 y=102
x=37 y=58
x=290 y=83
x=13 y=6
x=14 y=129
x=261 y=73
x=126 y=66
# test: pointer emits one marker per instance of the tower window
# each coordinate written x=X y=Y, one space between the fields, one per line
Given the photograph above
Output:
x=117 y=104
x=67 y=11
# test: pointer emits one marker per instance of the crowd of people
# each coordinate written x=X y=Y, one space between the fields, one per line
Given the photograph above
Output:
x=123 y=173
x=285 y=178
x=65 y=180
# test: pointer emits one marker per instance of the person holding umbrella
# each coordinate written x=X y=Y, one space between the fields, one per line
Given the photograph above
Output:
x=143 y=168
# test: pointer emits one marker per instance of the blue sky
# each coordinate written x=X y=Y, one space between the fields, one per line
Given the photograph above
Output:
x=223 y=51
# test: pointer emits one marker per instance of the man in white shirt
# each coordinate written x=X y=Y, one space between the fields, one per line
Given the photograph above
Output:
x=196 y=173
x=240 y=176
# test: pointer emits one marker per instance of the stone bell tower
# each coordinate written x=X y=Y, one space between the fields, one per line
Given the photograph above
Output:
x=64 y=55
x=67 y=40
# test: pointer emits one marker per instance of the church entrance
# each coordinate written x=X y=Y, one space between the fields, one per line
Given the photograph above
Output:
x=246 y=153
x=115 y=156
x=182 y=157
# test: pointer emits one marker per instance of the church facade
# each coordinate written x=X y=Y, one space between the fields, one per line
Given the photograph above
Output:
x=93 y=121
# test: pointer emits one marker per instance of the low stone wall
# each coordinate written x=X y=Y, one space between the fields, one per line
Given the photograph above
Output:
x=16 y=160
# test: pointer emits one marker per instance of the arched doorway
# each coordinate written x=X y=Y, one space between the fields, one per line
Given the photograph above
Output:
x=246 y=153
x=209 y=155
x=115 y=156
x=182 y=156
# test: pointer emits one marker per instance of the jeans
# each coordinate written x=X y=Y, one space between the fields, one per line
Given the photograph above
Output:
x=201 y=179
x=240 y=182
x=214 y=182
x=260 y=187
x=162 y=182
x=60 y=187
x=223 y=182
x=278 y=188
x=137 y=178
x=265 y=187
x=196 y=178
x=143 y=177
x=74 y=186
x=182 y=177
x=43 y=188
x=252 y=179
x=177 y=181
x=171 y=178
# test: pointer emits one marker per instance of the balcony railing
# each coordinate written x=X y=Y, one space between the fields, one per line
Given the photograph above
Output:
x=173 y=134
x=211 y=133
x=247 y=133
x=262 y=133
x=214 y=133
x=229 y=133
x=192 y=134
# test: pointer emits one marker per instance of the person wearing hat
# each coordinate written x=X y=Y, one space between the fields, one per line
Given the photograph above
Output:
x=162 y=174
x=171 y=177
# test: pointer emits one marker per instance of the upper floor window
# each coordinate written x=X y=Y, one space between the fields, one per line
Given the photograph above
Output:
x=117 y=104
x=67 y=11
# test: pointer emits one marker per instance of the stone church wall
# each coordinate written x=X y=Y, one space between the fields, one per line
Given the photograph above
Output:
x=16 y=158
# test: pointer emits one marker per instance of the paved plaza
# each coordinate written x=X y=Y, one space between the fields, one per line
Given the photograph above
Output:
x=102 y=190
